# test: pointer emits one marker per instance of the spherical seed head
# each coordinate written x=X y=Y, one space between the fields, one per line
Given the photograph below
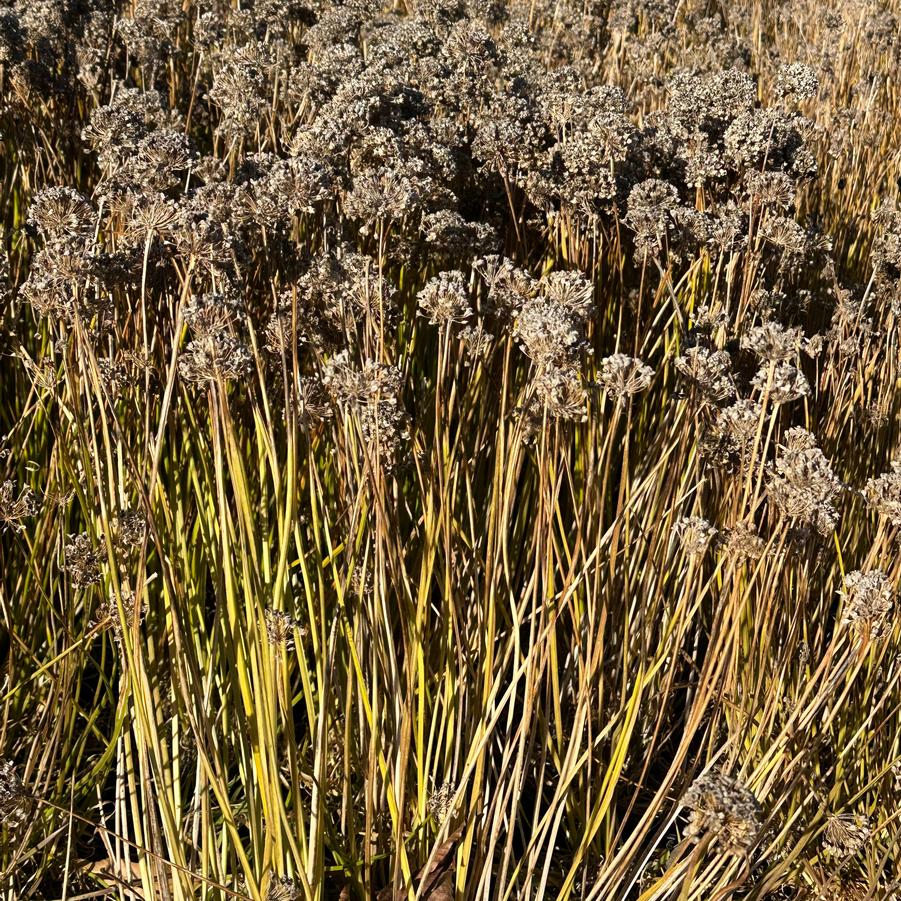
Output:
x=16 y=506
x=60 y=214
x=215 y=356
x=129 y=527
x=802 y=484
x=559 y=390
x=869 y=603
x=548 y=332
x=83 y=561
x=796 y=80
x=208 y=313
x=883 y=493
x=740 y=421
x=445 y=299
x=709 y=371
x=373 y=394
x=724 y=808
x=623 y=376
x=743 y=543
x=781 y=384
x=846 y=834
x=772 y=342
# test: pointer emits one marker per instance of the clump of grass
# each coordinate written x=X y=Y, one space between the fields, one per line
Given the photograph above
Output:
x=449 y=452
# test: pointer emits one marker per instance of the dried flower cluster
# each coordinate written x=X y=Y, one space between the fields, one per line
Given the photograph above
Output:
x=725 y=809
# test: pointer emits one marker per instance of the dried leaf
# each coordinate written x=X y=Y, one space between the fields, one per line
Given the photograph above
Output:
x=438 y=883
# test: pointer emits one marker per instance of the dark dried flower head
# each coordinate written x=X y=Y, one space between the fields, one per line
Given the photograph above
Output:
x=213 y=357
x=709 y=371
x=869 y=603
x=883 y=493
x=110 y=617
x=846 y=834
x=477 y=341
x=445 y=299
x=439 y=803
x=770 y=189
x=129 y=528
x=61 y=213
x=15 y=801
x=797 y=80
x=781 y=383
x=281 y=888
x=724 y=808
x=740 y=421
x=802 y=484
x=373 y=394
x=623 y=376
x=280 y=629
x=549 y=332
x=210 y=313
x=83 y=561
x=742 y=542
x=14 y=507
x=560 y=391
x=772 y=342
x=240 y=90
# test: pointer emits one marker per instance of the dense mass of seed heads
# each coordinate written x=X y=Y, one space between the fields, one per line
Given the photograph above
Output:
x=332 y=213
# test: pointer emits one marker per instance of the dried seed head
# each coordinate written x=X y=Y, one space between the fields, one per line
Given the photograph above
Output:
x=213 y=357
x=846 y=834
x=280 y=628
x=796 y=80
x=209 y=313
x=60 y=214
x=724 y=808
x=16 y=507
x=281 y=888
x=373 y=393
x=869 y=603
x=108 y=616
x=695 y=534
x=477 y=341
x=622 y=376
x=439 y=804
x=83 y=561
x=883 y=493
x=709 y=371
x=802 y=484
x=772 y=342
x=743 y=543
x=549 y=333
x=781 y=383
x=15 y=801
x=129 y=528
x=445 y=299
x=740 y=421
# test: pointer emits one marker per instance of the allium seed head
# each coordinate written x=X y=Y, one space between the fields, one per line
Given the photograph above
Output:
x=869 y=602
x=724 y=808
